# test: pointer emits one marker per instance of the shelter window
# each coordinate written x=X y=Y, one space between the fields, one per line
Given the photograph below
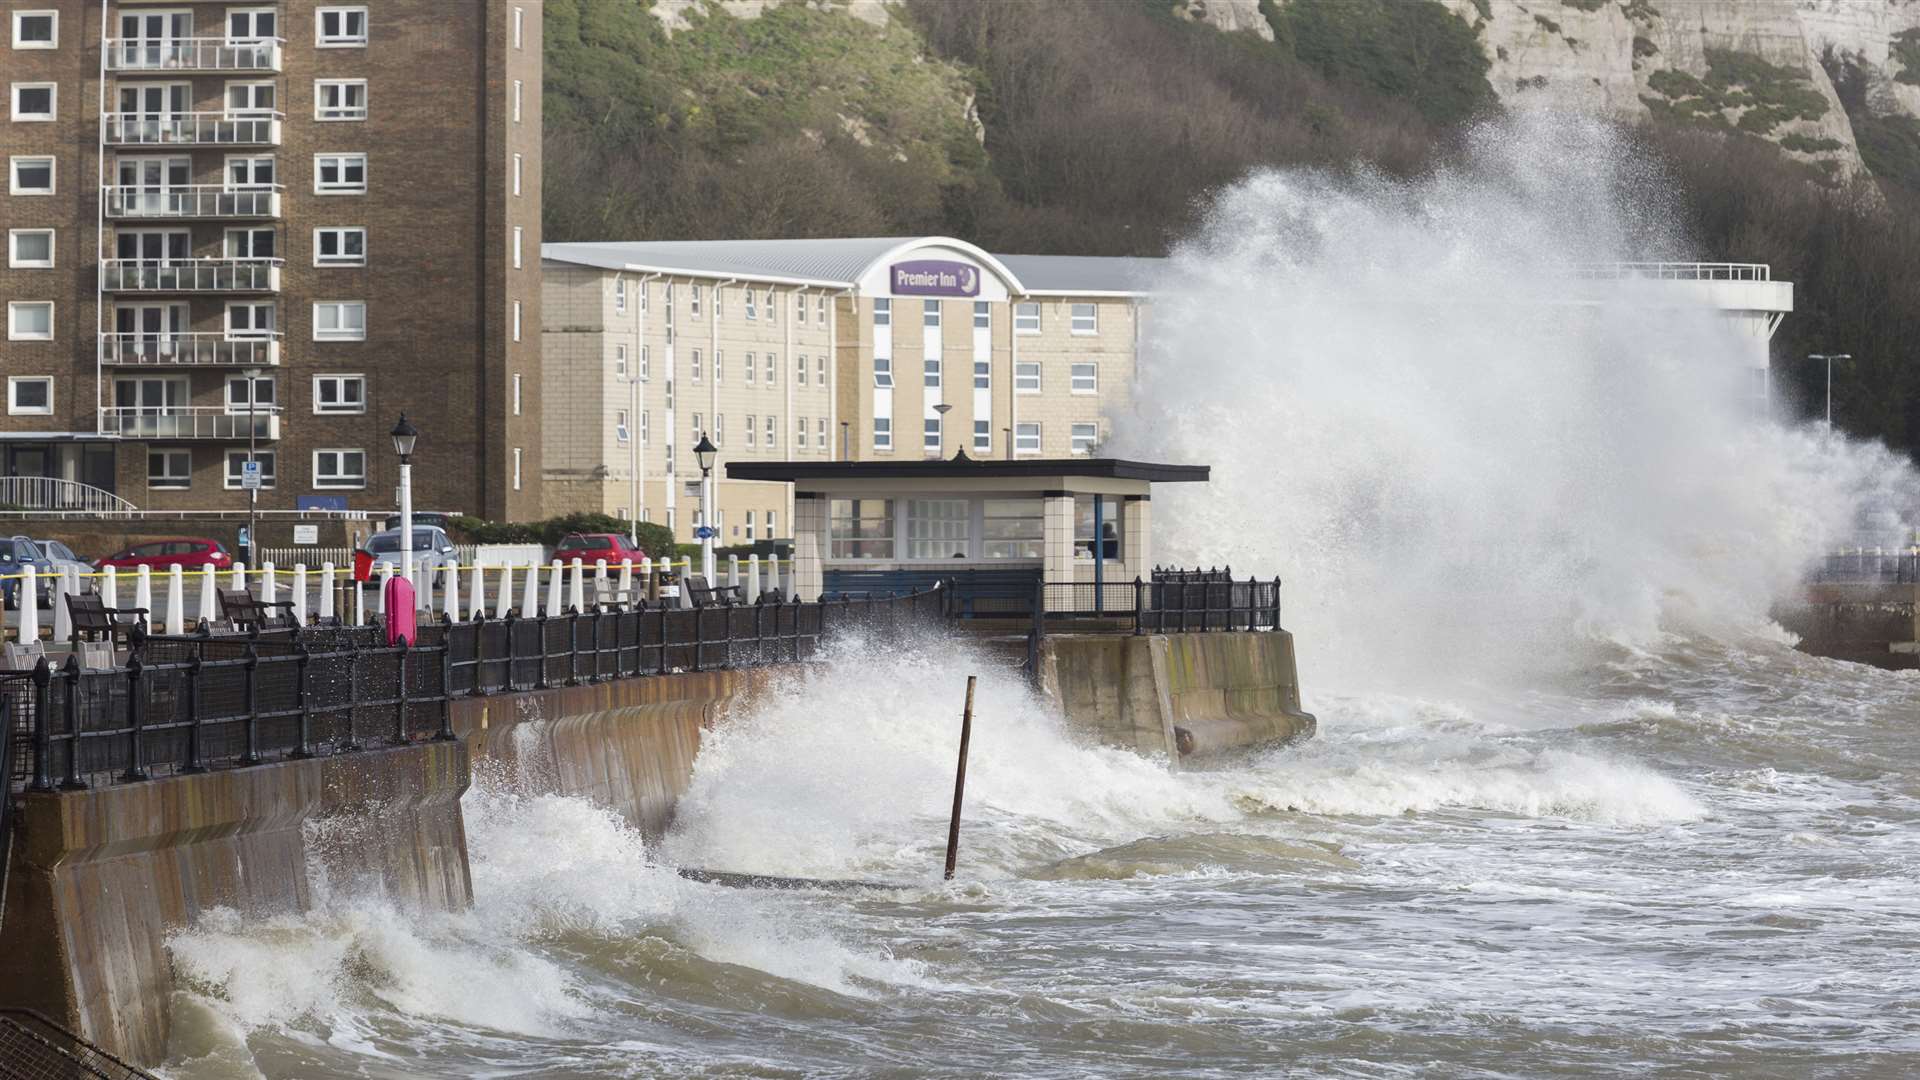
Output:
x=1013 y=529
x=861 y=528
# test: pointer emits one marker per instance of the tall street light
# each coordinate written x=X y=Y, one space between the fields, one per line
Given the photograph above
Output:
x=1829 y=358
x=403 y=439
x=703 y=452
x=941 y=419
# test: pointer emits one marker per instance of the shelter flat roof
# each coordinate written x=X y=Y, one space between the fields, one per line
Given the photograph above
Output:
x=962 y=468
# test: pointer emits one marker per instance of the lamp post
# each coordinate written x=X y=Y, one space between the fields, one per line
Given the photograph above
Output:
x=703 y=452
x=252 y=376
x=1829 y=358
x=940 y=416
x=403 y=438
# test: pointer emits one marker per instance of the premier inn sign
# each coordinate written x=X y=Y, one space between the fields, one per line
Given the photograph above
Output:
x=935 y=277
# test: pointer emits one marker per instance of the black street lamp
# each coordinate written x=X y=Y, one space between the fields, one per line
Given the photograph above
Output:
x=704 y=452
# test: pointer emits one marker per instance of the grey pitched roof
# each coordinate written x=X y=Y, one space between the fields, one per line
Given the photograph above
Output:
x=1085 y=273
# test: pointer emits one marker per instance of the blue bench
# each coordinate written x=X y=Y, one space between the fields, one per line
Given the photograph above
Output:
x=1015 y=584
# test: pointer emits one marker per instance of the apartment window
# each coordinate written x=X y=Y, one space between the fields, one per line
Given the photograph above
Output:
x=1026 y=438
x=646 y=427
x=860 y=528
x=30 y=395
x=772 y=362
x=883 y=433
x=339 y=394
x=340 y=28
x=930 y=433
x=249 y=320
x=516 y=394
x=693 y=301
x=883 y=372
x=1026 y=318
x=883 y=312
x=646 y=364
x=251 y=25
x=1026 y=377
x=800 y=433
x=250 y=243
x=340 y=99
x=30 y=176
x=519 y=27
x=170 y=469
x=30 y=249
x=1083 y=437
x=340 y=174
x=753 y=309
x=519 y=165
x=620 y=360
x=516 y=468
x=30 y=320
x=770 y=425
x=236 y=468
x=982 y=375
x=983 y=435
x=620 y=431
x=749 y=525
x=800 y=370
x=250 y=99
x=619 y=288
x=341 y=468
x=1086 y=318
x=931 y=372
x=1086 y=377
x=36 y=29
x=516 y=320
x=245 y=173
x=982 y=315
x=340 y=246
x=929 y=313
x=519 y=245
x=35 y=101
x=340 y=320
x=244 y=394
x=750 y=370
x=519 y=91
x=753 y=433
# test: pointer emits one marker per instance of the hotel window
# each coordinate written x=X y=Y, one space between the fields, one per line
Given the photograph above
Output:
x=772 y=362
x=236 y=467
x=669 y=393
x=1026 y=318
x=340 y=246
x=30 y=320
x=646 y=427
x=982 y=315
x=883 y=372
x=340 y=99
x=519 y=166
x=620 y=360
x=516 y=468
x=883 y=312
x=753 y=432
x=30 y=176
x=699 y=371
x=35 y=101
x=930 y=433
x=36 y=29
x=753 y=309
x=1086 y=377
x=340 y=27
x=245 y=395
x=619 y=291
x=519 y=27
x=770 y=425
x=30 y=249
x=1013 y=529
x=641 y=288
x=693 y=301
x=719 y=303
x=883 y=433
x=719 y=429
x=1083 y=528
x=519 y=92
x=751 y=370
x=820 y=369
x=800 y=433
x=1026 y=438
x=698 y=428
x=800 y=370
x=340 y=174
x=820 y=433
x=982 y=375
x=339 y=394
x=772 y=310
x=983 y=435
x=719 y=366
x=929 y=313
x=931 y=372
x=1026 y=377
x=251 y=25
x=171 y=469
x=339 y=468
x=620 y=432
x=669 y=473
x=340 y=320
x=1086 y=318
x=519 y=245
x=771 y=518
x=800 y=308
x=250 y=319
x=749 y=525
x=860 y=528
x=30 y=395
x=516 y=394
x=820 y=308
x=1084 y=436
x=646 y=365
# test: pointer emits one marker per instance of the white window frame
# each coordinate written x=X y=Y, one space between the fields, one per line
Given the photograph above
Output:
x=646 y=426
x=169 y=481
x=699 y=368
x=517 y=317
x=619 y=292
x=620 y=432
x=1092 y=380
x=983 y=434
x=250 y=307
x=13 y=174
x=244 y=406
x=1026 y=318
x=800 y=433
x=646 y=365
x=516 y=468
x=339 y=481
x=882 y=311
x=519 y=92
x=517 y=399
x=930 y=372
x=1075 y=444
x=337 y=335
x=982 y=315
x=800 y=369
x=519 y=27
x=251 y=164
x=1026 y=428
x=345 y=40
x=342 y=259
x=252 y=108
x=883 y=372
x=883 y=439
x=931 y=433
x=53 y=103
x=344 y=160
x=1083 y=319
x=983 y=374
x=342 y=380
x=269 y=468
x=519 y=165
x=252 y=15
x=13 y=319
x=772 y=368
x=753 y=308
x=519 y=246
x=1020 y=377
x=620 y=359
x=930 y=314
x=20 y=17
x=344 y=112
x=15 y=262
x=753 y=432
x=14 y=408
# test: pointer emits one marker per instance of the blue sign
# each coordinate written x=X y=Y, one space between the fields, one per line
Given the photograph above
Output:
x=320 y=502
x=705 y=532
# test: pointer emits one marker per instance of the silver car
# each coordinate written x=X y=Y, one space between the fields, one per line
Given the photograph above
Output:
x=58 y=557
x=432 y=549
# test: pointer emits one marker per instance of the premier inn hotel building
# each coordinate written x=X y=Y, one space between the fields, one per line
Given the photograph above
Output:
x=797 y=350
x=265 y=228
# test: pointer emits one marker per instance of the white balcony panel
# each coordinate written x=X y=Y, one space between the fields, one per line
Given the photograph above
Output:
x=191 y=54
x=197 y=201
x=191 y=275
x=189 y=350
x=189 y=422
x=192 y=129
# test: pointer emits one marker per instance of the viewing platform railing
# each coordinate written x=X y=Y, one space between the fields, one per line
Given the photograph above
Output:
x=1868 y=568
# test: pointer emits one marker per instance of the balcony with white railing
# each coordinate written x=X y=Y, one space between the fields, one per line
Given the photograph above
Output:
x=1670 y=271
x=192 y=129
x=140 y=55
x=52 y=493
x=190 y=275
x=195 y=201
x=189 y=422
x=189 y=350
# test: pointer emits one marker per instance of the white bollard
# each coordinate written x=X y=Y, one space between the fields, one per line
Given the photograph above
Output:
x=503 y=600
x=110 y=588
x=599 y=581
x=646 y=576
x=477 y=593
x=626 y=579
x=57 y=601
x=269 y=586
x=733 y=570
x=238 y=582
x=423 y=582
x=300 y=594
x=176 y=600
x=143 y=592
x=326 y=590
x=753 y=578
x=27 y=595
x=209 y=586
x=530 y=597
x=450 y=599
x=359 y=603
x=577 y=585
x=553 y=589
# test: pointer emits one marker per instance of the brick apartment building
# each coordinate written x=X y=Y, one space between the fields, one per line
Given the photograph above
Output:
x=273 y=223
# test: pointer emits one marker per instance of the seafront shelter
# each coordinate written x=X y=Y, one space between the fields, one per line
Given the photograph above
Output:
x=997 y=527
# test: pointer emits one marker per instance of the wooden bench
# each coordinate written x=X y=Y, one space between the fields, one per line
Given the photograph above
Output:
x=704 y=595
x=244 y=611
x=95 y=621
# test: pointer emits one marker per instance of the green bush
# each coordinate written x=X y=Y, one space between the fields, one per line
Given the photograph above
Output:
x=653 y=539
x=1414 y=50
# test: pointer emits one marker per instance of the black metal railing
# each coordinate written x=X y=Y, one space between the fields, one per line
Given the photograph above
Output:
x=185 y=704
x=33 y=1047
x=1869 y=568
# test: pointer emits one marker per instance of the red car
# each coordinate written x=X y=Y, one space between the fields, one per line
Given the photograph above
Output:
x=160 y=554
x=589 y=547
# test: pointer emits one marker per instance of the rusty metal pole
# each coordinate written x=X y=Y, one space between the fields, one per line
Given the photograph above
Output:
x=960 y=781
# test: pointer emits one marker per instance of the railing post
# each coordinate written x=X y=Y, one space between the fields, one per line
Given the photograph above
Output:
x=250 y=702
x=1139 y=596
x=445 y=734
x=400 y=706
x=699 y=634
x=353 y=693
x=303 y=700
x=71 y=672
x=1276 y=601
x=42 y=736
x=541 y=682
x=510 y=621
x=573 y=645
x=194 y=763
x=136 y=724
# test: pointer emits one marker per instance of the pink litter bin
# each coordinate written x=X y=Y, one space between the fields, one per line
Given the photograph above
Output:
x=400 y=612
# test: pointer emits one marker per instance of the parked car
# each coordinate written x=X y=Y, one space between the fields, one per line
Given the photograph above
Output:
x=431 y=549
x=589 y=547
x=16 y=555
x=62 y=558
x=191 y=553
